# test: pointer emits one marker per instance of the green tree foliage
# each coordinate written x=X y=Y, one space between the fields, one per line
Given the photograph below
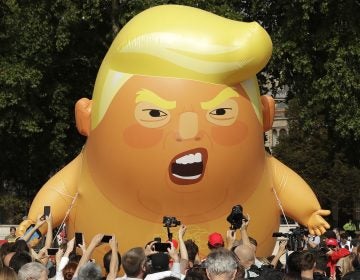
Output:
x=12 y=209
x=50 y=53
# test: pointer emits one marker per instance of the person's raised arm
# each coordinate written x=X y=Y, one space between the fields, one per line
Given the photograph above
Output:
x=87 y=253
x=281 y=251
x=184 y=257
x=114 y=262
x=243 y=231
x=38 y=224
x=175 y=269
x=64 y=256
x=230 y=238
x=49 y=234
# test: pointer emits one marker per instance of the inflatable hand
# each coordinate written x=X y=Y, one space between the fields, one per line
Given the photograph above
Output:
x=316 y=223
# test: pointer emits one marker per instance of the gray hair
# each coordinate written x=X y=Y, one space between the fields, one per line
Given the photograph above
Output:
x=90 y=271
x=221 y=261
x=32 y=270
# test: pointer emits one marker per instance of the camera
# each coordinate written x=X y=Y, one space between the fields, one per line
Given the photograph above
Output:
x=295 y=238
x=170 y=222
x=236 y=217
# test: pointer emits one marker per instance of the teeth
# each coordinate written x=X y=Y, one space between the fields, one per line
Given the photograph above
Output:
x=187 y=177
x=190 y=158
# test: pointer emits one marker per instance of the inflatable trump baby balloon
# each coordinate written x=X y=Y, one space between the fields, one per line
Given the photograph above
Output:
x=175 y=128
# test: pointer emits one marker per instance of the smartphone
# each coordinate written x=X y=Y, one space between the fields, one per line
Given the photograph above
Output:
x=36 y=235
x=78 y=239
x=106 y=238
x=52 y=251
x=161 y=247
x=46 y=211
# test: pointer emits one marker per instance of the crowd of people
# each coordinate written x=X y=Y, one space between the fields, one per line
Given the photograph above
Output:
x=335 y=255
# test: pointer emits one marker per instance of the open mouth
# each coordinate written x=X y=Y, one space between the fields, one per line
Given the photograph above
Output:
x=188 y=167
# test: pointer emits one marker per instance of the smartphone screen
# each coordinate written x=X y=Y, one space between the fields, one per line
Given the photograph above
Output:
x=46 y=211
x=52 y=251
x=161 y=247
x=37 y=234
x=78 y=239
x=106 y=238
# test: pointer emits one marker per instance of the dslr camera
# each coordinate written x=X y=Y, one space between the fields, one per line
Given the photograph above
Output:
x=170 y=222
x=236 y=217
x=295 y=238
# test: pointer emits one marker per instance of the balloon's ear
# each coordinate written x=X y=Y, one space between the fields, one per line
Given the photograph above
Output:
x=82 y=116
x=268 y=110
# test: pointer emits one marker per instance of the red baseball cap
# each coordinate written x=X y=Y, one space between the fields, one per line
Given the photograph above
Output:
x=216 y=239
x=331 y=242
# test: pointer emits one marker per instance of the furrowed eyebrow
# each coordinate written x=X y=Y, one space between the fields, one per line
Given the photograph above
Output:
x=145 y=95
x=223 y=95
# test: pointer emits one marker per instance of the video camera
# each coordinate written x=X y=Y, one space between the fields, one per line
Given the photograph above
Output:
x=295 y=238
x=170 y=222
x=236 y=217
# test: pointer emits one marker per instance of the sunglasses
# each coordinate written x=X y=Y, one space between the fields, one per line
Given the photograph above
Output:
x=332 y=246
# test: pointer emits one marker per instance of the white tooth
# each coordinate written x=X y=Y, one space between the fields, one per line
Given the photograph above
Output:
x=187 y=177
x=198 y=157
x=190 y=158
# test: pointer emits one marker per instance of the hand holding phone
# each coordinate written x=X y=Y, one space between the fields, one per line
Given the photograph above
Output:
x=78 y=239
x=52 y=251
x=106 y=239
x=162 y=247
x=46 y=212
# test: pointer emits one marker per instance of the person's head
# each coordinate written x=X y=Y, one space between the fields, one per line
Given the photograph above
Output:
x=321 y=260
x=246 y=255
x=344 y=237
x=160 y=90
x=271 y=274
x=355 y=243
x=73 y=257
x=6 y=273
x=107 y=259
x=215 y=240
x=293 y=263
x=134 y=263
x=197 y=272
x=307 y=261
x=332 y=244
x=19 y=259
x=331 y=233
x=221 y=264
x=33 y=270
x=4 y=250
x=159 y=262
x=20 y=245
x=192 y=250
x=89 y=271
x=69 y=270
x=12 y=231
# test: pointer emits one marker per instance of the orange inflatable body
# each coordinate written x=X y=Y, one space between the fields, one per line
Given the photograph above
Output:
x=175 y=128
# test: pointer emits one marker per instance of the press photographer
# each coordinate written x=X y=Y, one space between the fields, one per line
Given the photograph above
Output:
x=296 y=238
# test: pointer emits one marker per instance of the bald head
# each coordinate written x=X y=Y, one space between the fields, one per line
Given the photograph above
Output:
x=246 y=255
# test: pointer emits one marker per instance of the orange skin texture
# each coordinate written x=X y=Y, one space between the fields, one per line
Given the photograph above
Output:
x=124 y=187
x=144 y=177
